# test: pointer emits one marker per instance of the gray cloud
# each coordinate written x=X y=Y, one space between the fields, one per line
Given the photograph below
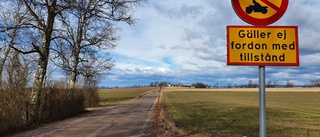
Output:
x=193 y=46
x=177 y=11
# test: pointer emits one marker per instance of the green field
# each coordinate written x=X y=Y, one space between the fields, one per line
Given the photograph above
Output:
x=228 y=114
x=109 y=97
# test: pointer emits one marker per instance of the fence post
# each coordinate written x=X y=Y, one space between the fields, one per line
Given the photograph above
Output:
x=27 y=112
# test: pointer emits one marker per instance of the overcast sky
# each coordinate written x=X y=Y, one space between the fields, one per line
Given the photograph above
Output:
x=184 y=41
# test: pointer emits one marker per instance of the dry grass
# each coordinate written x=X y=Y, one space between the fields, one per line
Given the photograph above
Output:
x=109 y=97
x=166 y=127
x=223 y=112
x=168 y=89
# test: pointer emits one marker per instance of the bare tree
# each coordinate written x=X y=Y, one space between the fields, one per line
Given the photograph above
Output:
x=6 y=51
x=18 y=71
x=216 y=85
x=250 y=84
x=289 y=84
x=8 y=19
x=275 y=83
x=43 y=15
x=36 y=23
x=269 y=84
x=89 y=27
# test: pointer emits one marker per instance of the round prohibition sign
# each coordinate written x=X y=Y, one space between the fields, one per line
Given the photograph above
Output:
x=260 y=12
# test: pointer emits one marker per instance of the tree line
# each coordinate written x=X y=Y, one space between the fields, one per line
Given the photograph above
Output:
x=251 y=84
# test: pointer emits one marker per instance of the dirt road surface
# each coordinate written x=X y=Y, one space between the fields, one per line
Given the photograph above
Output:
x=132 y=119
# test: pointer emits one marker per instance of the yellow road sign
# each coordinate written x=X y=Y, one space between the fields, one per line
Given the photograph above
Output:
x=263 y=46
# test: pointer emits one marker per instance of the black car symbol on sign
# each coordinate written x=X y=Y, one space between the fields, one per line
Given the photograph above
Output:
x=256 y=8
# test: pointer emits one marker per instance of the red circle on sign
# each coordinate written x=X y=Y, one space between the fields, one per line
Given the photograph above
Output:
x=256 y=21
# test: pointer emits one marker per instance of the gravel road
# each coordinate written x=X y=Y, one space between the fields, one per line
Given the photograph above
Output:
x=134 y=118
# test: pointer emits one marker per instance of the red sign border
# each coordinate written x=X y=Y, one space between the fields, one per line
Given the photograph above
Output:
x=260 y=22
x=297 y=63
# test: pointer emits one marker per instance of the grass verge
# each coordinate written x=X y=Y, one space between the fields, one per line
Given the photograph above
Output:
x=234 y=114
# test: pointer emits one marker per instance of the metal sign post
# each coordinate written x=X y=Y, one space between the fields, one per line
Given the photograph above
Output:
x=262 y=103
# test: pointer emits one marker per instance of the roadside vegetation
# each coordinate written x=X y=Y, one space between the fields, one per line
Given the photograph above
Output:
x=109 y=97
x=234 y=114
x=53 y=54
x=56 y=104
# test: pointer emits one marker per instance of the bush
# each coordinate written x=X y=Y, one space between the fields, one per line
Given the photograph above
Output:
x=200 y=85
x=12 y=110
x=58 y=104
x=55 y=104
x=91 y=97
